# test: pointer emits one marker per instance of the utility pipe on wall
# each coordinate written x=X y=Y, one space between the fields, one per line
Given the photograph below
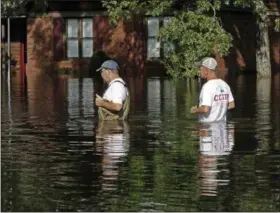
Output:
x=9 y=48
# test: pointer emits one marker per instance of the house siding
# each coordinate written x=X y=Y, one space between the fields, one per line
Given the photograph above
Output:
x=46 y=44
x=127 y=43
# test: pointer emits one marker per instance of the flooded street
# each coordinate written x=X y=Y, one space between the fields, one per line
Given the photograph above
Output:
x=55 y=156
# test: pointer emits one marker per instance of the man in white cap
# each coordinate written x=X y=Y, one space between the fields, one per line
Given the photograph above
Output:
x=215 y=96
x=115 y=103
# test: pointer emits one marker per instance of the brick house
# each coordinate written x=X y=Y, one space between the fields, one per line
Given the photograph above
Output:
x=71 y=31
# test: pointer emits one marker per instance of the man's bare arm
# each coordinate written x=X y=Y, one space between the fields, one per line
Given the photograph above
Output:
x=201 y=109
x=100 y=102
x=111 y=106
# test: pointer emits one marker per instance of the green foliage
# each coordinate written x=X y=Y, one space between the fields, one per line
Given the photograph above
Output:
x=19 y=7
x=205 y=5
x=192 y=33
x=199 y=35
x=125 y=9
x=258 y=7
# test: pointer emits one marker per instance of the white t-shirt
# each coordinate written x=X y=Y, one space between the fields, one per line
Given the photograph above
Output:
x=116 y=92
x=216 y=94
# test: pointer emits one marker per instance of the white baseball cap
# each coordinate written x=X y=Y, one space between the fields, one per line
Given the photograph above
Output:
x=209 y=63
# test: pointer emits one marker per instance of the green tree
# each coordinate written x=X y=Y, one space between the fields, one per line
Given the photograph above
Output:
x=18 y=7
x=194 y=31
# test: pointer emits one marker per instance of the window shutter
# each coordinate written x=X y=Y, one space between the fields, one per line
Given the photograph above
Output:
x=58 y=35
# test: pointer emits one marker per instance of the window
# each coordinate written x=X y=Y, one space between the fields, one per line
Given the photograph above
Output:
x=153 y=43
x=155 y=48
x=79 y=38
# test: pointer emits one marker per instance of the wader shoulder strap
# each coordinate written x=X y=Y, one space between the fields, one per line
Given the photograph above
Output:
x=112 y=83
x=119 y=82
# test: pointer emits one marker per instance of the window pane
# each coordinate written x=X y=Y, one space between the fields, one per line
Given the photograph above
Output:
x=153 y=48
x=73 y=48
x=72 y=28
x=153 y=26
x=87 y=27
x=87 y=48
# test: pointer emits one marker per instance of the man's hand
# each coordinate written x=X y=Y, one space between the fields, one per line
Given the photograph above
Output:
x=193 y=109
x=99 y=101
x=201 y=109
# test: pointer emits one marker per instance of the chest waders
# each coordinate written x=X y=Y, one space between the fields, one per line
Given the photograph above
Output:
x=105 y=114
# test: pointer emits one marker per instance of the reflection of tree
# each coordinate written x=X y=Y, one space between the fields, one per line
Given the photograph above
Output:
x=254 y=170
x=263 y=105
x=252 y=189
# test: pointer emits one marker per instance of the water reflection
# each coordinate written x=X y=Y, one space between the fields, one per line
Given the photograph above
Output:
x=216 y=142
x=112 y=143
x=80 y=105
x=56 y=157
x=154 y=104
x=263 y=111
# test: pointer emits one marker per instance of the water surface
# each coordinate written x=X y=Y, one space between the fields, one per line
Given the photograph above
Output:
x=55 y=156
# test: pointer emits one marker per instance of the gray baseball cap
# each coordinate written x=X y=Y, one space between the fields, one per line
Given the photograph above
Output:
x=208 y=62
x=109 y=64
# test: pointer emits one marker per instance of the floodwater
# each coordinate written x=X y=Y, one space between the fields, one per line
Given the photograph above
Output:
x=55 y=156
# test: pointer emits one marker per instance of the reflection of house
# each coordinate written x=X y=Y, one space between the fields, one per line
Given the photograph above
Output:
x=80 y=103
x=70 y=32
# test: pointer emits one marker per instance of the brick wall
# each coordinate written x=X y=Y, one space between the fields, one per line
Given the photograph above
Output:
x=126 y=42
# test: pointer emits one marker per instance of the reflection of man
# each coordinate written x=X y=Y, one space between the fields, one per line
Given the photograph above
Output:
x=112 y=140
x=215 y=96
x=115 y=103
x=216 y=142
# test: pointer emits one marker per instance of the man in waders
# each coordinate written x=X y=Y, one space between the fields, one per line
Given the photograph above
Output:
x=115 y=103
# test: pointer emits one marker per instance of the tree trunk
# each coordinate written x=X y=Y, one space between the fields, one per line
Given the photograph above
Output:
x=263 y=50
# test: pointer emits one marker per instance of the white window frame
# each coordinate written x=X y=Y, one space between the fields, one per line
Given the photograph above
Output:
x=81 y=38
